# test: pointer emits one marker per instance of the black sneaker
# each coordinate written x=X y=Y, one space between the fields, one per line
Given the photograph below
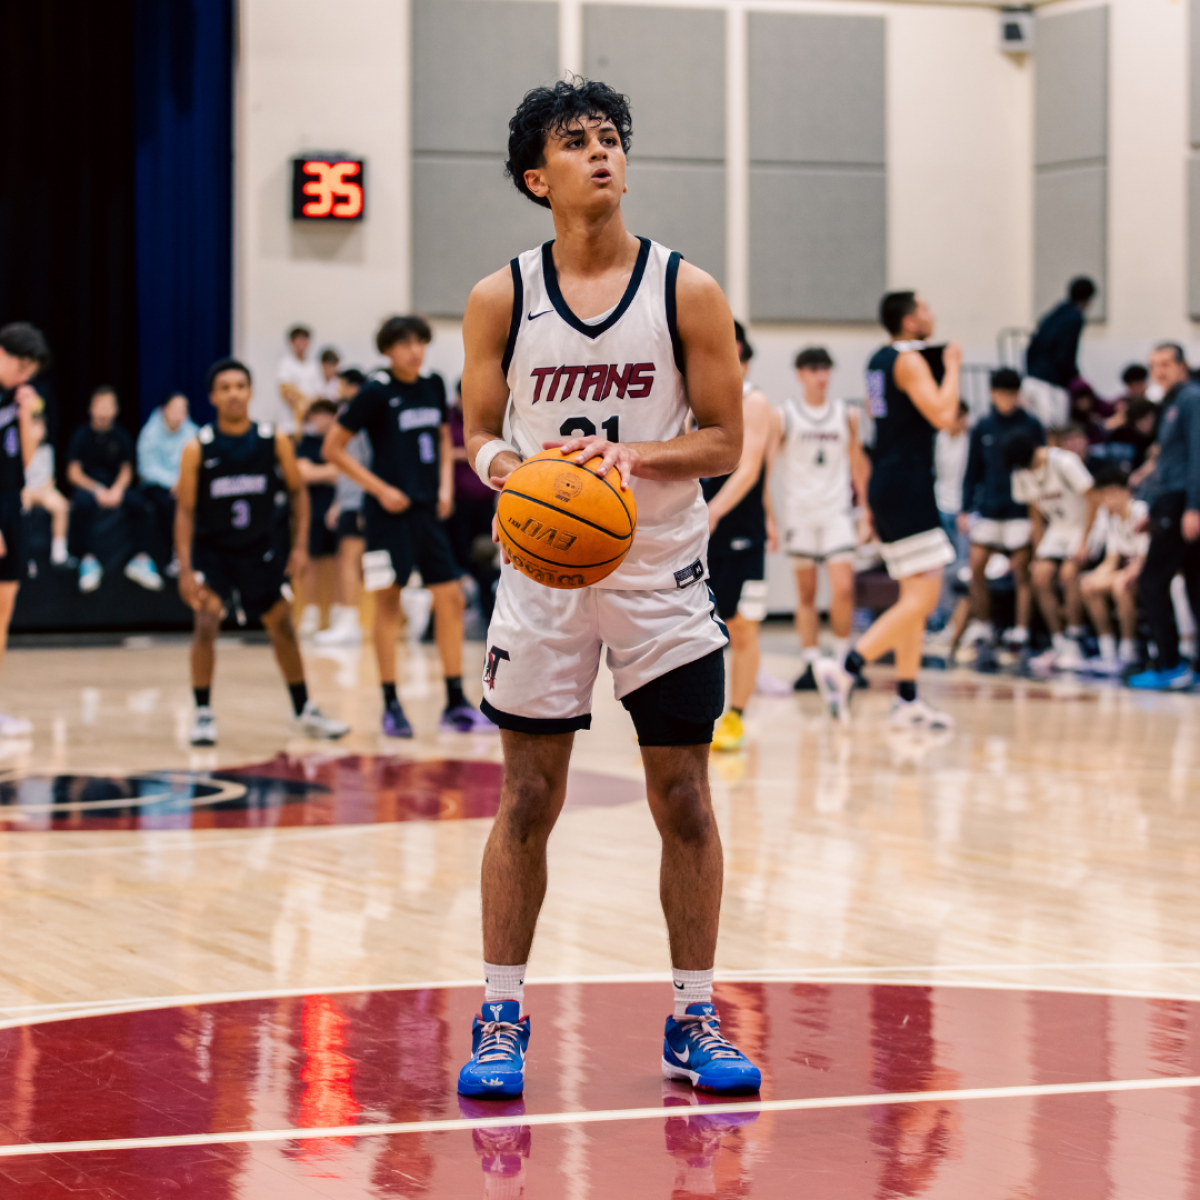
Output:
x=806 y=682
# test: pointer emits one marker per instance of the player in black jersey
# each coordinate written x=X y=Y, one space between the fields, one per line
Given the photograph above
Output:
x=233 y=478
x=740 y=528
x=409 y=491
x=23 y=352
x=909 y=405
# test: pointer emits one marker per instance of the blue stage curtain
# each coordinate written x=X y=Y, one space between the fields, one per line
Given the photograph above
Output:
x=183 y=194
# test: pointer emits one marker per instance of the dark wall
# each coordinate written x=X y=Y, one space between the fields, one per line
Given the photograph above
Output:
x=116 y=194
x=66 y=193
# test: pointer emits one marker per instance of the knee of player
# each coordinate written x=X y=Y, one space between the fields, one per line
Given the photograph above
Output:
x=530 y=804
x=205 y=627
x=685 y=812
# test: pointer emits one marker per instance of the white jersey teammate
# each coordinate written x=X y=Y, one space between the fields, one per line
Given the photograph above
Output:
x=604 y=344
x=821 y=455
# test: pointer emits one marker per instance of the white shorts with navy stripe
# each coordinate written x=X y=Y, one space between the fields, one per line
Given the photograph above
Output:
x=543 y=646
x=918 y=554
x=822 y=536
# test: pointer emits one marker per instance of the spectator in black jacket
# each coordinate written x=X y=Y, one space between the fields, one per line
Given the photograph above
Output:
x=1050 y=361
x=1174 y=520
x=995 y=522
x=100 y=468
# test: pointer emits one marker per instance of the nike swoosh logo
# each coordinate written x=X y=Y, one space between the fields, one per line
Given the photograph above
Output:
x=534 y=316
x=679 y=986
x=684 y=1054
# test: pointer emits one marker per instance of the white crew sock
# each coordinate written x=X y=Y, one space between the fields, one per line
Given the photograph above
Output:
x=504 y=983
x=841 y=647
x=1018 y=635
x=1075 y=632
x=58 y=551
x=691 y=987
x=811 y=654
x=1108 y=645
x=1059 y=642
x=1128 y=650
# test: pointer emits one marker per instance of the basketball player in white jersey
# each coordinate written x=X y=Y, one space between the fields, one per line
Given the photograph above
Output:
x=821 y=454
x=603 y=344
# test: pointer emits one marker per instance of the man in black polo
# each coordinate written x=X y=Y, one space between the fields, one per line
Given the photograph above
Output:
x=1051 y=361
x=1174 y=519
x=409 y=491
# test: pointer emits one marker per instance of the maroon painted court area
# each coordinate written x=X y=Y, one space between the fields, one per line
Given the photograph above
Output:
x=285 y=791
x=369 y=1058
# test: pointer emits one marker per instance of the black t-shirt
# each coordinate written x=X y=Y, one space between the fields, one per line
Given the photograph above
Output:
x=403 y=422
x=12 y=466
x=101 y=454
x=309 y=447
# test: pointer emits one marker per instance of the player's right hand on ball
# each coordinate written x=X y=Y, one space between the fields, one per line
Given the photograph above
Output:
x=611 y=454
x=393 y=500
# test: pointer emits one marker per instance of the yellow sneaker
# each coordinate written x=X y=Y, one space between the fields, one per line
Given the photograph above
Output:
x=730 y=734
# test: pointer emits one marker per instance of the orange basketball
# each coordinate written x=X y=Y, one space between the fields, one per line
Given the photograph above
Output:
x=562 y=524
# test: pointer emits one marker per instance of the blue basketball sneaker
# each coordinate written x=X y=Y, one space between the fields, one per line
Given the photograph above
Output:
x=498 y=1045
x=693 y=1049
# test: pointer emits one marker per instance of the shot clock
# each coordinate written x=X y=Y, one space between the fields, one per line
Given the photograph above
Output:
x=327 y=187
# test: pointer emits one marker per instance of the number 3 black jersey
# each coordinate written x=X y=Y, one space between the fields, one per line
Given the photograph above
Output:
x=239 y=487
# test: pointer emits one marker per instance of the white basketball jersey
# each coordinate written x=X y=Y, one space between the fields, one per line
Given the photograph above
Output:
x=816 y=448
x=618 y=375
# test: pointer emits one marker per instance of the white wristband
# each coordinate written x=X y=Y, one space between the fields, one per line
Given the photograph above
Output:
x=487 y=453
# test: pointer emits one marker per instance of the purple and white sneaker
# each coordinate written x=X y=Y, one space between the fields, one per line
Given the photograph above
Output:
x=395 y=723
x=465 y=718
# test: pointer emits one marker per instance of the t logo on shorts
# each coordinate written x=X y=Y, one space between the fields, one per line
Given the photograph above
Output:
x=494 y=657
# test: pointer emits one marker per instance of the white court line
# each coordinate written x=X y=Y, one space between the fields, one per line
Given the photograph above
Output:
x=244 y=1137
x=76 y=1010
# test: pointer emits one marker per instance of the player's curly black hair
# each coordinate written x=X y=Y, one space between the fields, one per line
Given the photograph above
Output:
x=547 y=110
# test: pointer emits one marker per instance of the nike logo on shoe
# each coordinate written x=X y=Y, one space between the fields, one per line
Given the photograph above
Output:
x=684 y=1054
x=534 y=316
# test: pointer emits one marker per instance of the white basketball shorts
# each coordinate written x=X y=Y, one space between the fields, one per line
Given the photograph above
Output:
x=918 y=554
x=543 y=647
x=1013 y=534
x=1060 y=541
x=822 y=537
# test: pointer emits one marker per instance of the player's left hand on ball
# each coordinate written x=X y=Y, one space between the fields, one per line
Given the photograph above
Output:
x=611 y=454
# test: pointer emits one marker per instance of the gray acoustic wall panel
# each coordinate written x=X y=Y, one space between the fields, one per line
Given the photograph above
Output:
x=681 y=206
x=1071 y=87
x=468 y=220
x=1194 y=237
x=818 y=174
x=473 y=60
x=818 y=243
x=1069 y=232
x=817 y=88
x=1194 y=69
x=670 y=62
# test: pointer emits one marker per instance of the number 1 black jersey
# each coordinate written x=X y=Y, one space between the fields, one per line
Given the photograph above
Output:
x=239 y=487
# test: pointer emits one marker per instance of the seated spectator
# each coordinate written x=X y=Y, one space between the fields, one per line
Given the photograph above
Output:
x=159 y=450
x=1056 y=485
x=1114 y=581
x=1088 y=412
x=100 y=468
x=40 y=492
x=330 y=379
x=321 y=478
x=1129 y=441
x=345 y=517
